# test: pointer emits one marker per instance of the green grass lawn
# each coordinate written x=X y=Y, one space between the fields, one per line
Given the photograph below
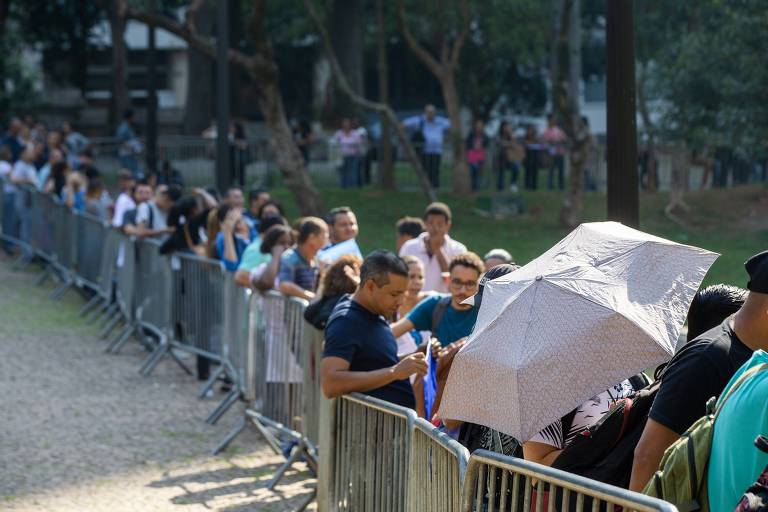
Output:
x=731 y=222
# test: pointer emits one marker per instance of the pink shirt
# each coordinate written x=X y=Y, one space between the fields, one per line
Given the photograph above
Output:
x=433 y=274
x=556 y=138
x=350 y=143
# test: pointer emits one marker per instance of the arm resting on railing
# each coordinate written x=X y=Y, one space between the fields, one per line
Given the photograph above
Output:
x=337 y=380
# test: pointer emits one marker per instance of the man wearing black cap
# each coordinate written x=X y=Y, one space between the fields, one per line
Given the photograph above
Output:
x=701 y=371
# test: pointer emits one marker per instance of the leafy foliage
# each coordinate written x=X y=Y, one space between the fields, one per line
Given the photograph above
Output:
x=707 y=71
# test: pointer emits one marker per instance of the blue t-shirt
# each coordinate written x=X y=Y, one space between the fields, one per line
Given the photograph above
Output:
x=453 y=326
x=295 y=269
x=365 y=340
x=240 y=246
x=735 y=462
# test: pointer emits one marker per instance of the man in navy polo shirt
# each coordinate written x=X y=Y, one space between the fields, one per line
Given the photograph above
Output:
x=360 y=351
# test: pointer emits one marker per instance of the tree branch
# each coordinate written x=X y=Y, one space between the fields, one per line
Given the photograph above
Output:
x=189 y=16
x=421 y=53
x=251 y=63
x=458 y=45
x=381 y=108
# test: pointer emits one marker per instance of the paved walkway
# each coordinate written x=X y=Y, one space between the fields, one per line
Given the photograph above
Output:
x=83 y=431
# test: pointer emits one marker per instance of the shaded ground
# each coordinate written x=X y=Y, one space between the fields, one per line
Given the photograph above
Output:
x=83 y=431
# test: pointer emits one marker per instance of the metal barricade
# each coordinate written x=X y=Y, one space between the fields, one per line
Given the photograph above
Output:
x=498 y=482
x=235 y=342
x=197 y=306
x=41 y=235
x=437 y=466
x=152 y=295
x=312 y=346
x=124 y=278
x=371 y=446
x=90 y=237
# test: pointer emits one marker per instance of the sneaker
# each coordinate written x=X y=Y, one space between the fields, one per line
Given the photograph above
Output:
x=513 y=189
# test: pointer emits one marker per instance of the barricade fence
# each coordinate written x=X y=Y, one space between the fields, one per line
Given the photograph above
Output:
x=368 y=454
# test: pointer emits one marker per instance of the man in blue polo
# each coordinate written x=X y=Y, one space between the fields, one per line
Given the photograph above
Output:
x=428 y=134
x=360 y=353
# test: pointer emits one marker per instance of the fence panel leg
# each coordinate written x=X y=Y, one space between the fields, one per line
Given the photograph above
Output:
x=152 y=359
x=122 y=338
x=90 y=304
x=110 y=325
x=241 y=423
x=223 y=407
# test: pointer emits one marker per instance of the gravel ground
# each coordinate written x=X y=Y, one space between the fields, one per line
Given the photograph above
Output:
x=83 y=431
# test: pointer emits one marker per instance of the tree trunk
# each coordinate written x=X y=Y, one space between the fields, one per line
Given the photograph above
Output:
x=120 y=99
x=651 y=172
x=287 y=155
x=198 y=109
x=566 y=102
x=346 y=29
x=384 y=151
x=263 y=71
x=461 y=180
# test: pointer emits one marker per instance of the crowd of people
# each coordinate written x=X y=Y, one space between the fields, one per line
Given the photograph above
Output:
x=389 y=317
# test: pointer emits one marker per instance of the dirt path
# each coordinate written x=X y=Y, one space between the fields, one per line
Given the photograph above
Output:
x=83 y=431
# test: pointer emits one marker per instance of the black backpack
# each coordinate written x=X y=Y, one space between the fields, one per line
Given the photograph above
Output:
x=605 y=451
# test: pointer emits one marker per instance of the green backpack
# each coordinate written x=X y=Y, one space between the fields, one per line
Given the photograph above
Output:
x=682 y=475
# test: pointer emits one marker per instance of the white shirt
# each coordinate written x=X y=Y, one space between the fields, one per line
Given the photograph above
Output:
x=159 y=217
x=24 y=171
x=433 y=274
x=123 y=204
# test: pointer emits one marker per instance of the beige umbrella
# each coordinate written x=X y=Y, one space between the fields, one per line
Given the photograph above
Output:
x=603 y=304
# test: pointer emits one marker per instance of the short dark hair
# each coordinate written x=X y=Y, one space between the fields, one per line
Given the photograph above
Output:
x=128 y=113
x=272 y=236
x=254 y=193
x=379 y=264
x=270 y=203
x=340 y=210
x=438 y=208
x=712 y=305
x=467 y=259
x=411 y=226
x=173 y=192
x=271 y=220
x=310 y=226
x=222 y=211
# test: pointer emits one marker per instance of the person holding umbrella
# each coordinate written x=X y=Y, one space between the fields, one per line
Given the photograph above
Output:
x=702 y=372
x=604 y=303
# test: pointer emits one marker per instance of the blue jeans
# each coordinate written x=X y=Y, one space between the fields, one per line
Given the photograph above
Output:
x=476 y=173
x=514 y=168
x=558 y=165
x=350 y=172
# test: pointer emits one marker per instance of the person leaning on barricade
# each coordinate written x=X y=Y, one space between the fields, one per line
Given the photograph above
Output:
x=299 y=267
x=338 y=280
x=263 y=277
x=360 y=353
x=253 y=257
x=152 y=216
x=701 y=371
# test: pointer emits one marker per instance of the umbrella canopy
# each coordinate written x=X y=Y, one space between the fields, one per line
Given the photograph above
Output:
x=603 y=304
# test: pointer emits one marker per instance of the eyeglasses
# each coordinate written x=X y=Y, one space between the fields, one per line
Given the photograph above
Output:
x=467 y=285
